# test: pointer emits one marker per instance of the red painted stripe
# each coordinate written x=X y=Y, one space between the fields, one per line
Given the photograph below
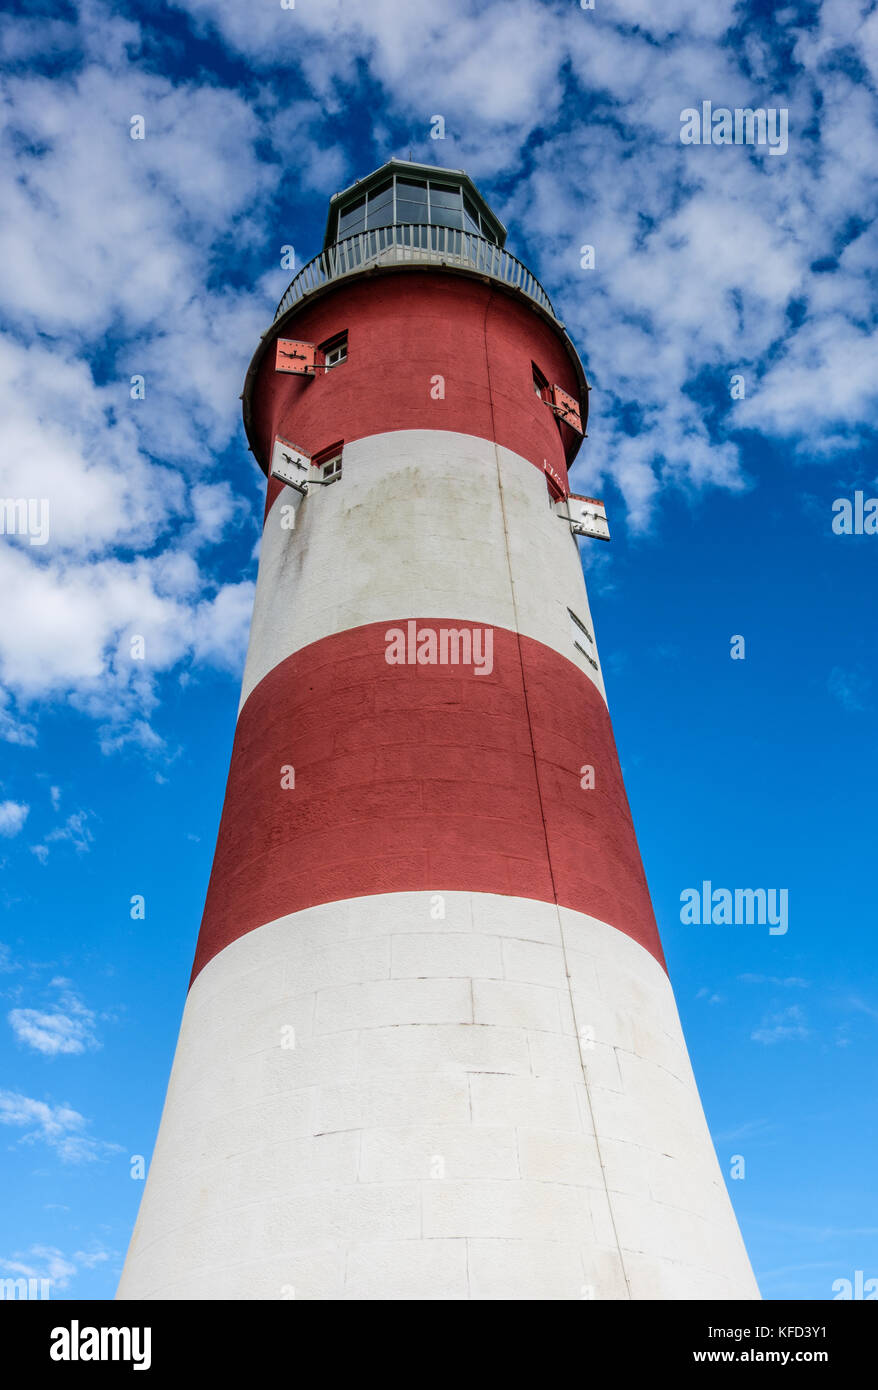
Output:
x=423 y=778
x=404 y=330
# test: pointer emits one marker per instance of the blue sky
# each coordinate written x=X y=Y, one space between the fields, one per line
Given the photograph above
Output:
x=161 y=257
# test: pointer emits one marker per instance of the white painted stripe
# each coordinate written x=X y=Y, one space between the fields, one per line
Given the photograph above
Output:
x=493 y=1103
x=424 y=523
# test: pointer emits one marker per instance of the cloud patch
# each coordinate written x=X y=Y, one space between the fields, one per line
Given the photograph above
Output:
x=13 y=815
x=60 y=1127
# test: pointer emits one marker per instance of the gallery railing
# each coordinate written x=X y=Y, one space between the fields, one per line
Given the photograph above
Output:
x=413 y=243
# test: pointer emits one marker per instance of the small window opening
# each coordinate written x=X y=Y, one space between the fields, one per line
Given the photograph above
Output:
x=328 y=463
x=335 y=350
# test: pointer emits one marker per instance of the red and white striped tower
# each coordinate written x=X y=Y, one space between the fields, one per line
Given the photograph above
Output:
x=430 y=1048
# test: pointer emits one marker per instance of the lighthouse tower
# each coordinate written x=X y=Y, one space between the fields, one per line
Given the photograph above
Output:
x=430 y=1048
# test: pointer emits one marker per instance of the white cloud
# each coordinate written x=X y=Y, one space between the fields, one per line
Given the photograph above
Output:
x=42 y=1262
x=121 y=249
x=136 y=223
x=75 y=830
x=787 y=982
x=55 y=1032
x=58 y=1126
x=787 y=1025
x=47 y=1262
x=66 y=1025
x=498 y=63
x=12 y=728
x=13 y=815
x=7 y=964
x=850 y=689
x=220 y=625
x=842 y=357
x=73 y=626
x=50 y=1033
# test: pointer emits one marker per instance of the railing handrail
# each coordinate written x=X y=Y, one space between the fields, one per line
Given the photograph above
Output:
x=413 y=243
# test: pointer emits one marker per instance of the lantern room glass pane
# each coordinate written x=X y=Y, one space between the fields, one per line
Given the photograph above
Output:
x=414 y=190
x=445 y=217
x=352 y=218
x=410 y=212
x=445 y=205
x=380 y=207
x=444 y=195
x=411 y=200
